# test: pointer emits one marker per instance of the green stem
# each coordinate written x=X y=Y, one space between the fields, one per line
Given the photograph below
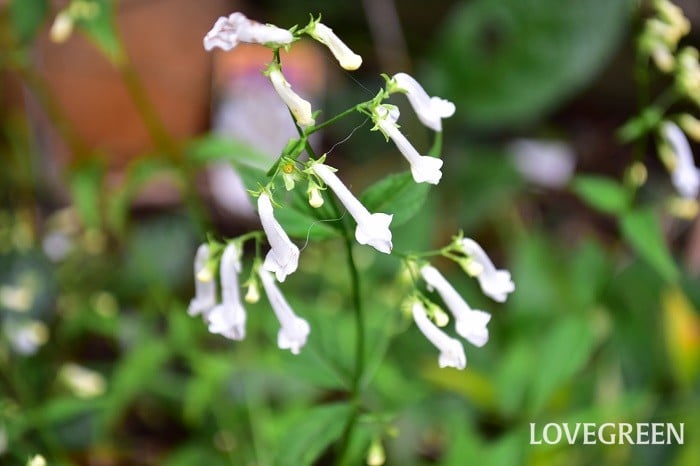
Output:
x=356 y=386
x=337 y=117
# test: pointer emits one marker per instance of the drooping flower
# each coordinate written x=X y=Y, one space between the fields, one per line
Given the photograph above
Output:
x=470 y=323
x=496 y=284
x=228 y=318
x=348 y=59
x=294 y=330
x=283 y=257
x=451 y=350
x=372 y=229
x=430 y=110
x=228 y=32
x=300 y=108
x=204 y=284
x=684 y=175
x=424 y=168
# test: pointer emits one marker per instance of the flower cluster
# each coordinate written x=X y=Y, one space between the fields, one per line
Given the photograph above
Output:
x=659 y=41
x=227 y=316
x=470 y=323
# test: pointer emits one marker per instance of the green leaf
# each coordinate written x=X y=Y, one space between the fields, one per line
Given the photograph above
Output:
x=310 y=436
x=564 y=350
x=205 y=386
x=134 y=373
x=102 y=30
x=27 y=17
x=603 y=194
x=214 y=148
x=138 y=173
x=299 y=223
x=396 y=194
x=506 y=61
x=642 y=231
x=86 y=189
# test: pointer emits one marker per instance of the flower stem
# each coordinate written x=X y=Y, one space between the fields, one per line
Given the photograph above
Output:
x=356 y=386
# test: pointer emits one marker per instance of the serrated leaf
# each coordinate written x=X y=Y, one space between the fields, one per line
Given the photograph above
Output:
x=603 y=194
x=396 y=194
x=642 y=231
x=320 y=426
x=27 y=17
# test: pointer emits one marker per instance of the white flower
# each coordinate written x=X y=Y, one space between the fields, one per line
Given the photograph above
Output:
x=470 y=323
x=372 y=229
x=228 y=32
x=424 y=168
x=26 y=337
x=685 y=175
x=495 y=284
x=204 y=284
x=315 y=196
x=295 y=330
x=300 y=108
x=430 y=110
x=83 y=382
x=36 y=460
x=451 y=350
x=348 y=59
x=546 y=163
x=62 y=27
x=283 y=257
x=228 y=318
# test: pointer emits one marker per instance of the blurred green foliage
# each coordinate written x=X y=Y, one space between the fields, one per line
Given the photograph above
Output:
x=601 y=329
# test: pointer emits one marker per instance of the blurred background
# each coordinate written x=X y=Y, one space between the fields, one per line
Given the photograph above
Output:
x=122 y=146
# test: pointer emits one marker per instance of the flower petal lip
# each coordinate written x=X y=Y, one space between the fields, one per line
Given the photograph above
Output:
x=228 y=32
x=424 y=168
x=205 y=291
x=685 y=175
x=372 y=229
x=470 y=323
x=451 y=350
x=430 y=110
x=300 y=108
x=496 y=284
x=348 y=59
x=229 y=317
x=283 y=257
x=294 y=330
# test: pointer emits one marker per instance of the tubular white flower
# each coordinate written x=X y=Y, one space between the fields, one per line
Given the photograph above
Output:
x=228 y=318
x=295 y=330
x=300 y=108
x=430 y=110
x=451 y=350
x=470 y=323
x=372 y=229
x=496 y=284
x=228 y=32
x=685 y=175
x=204 y=285
x=283 y=257
x=424 y=168
x=348 y=59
